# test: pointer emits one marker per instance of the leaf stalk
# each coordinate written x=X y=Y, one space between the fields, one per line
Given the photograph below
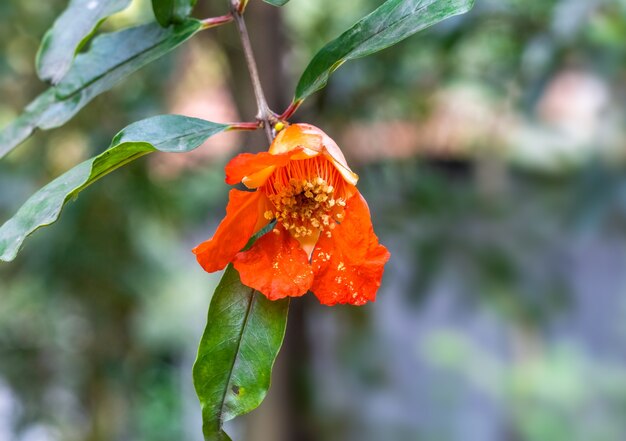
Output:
x=289 y=111
x=212 y=22
x=244 y=126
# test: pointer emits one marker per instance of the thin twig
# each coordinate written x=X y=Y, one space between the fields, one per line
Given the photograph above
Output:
x=264 y=114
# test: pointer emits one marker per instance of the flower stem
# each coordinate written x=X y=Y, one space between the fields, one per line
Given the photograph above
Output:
x=264 y=114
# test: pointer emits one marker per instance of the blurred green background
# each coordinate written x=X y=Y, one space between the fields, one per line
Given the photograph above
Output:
x=491 y=150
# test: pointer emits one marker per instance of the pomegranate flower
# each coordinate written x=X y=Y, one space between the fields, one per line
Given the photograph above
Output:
x=322 y=238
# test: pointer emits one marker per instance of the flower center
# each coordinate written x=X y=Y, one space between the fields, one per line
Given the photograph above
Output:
x=308 y=195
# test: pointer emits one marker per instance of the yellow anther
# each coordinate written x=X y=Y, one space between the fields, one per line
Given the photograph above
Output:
x=279 y=126
x=305 y=206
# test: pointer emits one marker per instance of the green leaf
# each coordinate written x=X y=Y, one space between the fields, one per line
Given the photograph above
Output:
x=24 y=125
x=277 y=2
x=118 y=54
x=242 y=338
x=111 y=57
x=391 y=23
x=172 y=11
x=166 y=133
x=69 y=33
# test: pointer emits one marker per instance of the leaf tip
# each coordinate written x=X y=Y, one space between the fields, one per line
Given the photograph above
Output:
x=8 y=253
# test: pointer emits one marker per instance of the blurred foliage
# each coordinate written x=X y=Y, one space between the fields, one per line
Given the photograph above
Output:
x=501 y=313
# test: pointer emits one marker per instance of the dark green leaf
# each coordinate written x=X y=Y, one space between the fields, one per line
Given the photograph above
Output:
x=277 y=2
x=110 y=58
x=240 y=343
x=392 y=22
x=172 y=11
x=166 y=133
x=69 y=33
x=118 y=54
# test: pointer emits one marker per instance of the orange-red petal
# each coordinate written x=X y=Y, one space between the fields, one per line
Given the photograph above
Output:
x=314 y=142
x=244 y=216
x=349 y=265
x=248 y=167
x=276 y=266
x=298 y=135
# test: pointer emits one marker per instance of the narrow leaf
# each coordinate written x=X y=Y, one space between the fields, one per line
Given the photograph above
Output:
x=69 y=33
x=242 y=338
x=110 y=58
x=166 y=133
x=391 y=23
x=277 y=2
x=118 y=54
x=172 y=11
x=24 y=125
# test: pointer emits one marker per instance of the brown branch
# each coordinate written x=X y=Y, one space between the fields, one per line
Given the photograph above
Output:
x=264 y=114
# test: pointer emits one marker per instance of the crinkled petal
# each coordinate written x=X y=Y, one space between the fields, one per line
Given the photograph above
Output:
x=314 y=141
x=298 y=136
x=276 y=266
x=253 y=169
x=244 y=217
x=307 y=243
x=334 y=153
x=349 y=265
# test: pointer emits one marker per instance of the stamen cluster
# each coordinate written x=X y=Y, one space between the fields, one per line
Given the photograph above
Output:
x=304 y=200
